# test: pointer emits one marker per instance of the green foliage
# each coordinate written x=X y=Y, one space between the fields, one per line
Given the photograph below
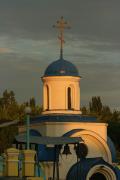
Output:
x=84 y=110
x=114 y=133
x=11 y=110
x=7 y=135
x=32 y=102
x=95 y=106
x=8 y=106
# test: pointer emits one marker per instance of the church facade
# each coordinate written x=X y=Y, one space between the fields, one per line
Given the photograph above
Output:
x=61 y=117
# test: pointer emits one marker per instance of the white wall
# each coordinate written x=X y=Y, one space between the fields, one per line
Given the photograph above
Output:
x=58 y=98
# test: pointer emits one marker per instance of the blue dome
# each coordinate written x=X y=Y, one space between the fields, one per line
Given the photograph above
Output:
x=61 y=67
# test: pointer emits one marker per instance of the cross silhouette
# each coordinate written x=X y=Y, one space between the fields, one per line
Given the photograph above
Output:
x=61 y=25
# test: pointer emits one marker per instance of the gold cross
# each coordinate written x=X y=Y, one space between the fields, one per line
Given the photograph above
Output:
x=61 y=25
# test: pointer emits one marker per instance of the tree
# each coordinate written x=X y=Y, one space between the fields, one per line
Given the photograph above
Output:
x=105 y=115
x=32 y=102
x=11 y=110
x=8 y=106
x=95 y=105
x=84 y=110
x=12 y=97
x=114 y=133
x=7 y=135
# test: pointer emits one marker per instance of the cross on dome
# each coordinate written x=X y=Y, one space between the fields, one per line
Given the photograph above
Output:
x=61 y=25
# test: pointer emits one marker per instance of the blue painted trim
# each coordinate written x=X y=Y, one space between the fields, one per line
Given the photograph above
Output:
x=117 y=170
x=62 y=118
x=73 y=131
x=112 y=149
x=109 y=142
x=34 y=132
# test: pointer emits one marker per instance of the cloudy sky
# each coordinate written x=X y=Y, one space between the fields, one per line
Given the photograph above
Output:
x=28 y=43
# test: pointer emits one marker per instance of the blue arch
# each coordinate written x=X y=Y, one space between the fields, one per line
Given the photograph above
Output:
x=109 y=143
x=34 y=132
x=112 y=149
x=73 y=131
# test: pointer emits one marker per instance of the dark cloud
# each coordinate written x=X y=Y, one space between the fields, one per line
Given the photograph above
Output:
x=27 y=45
x=100 y=79
x=33 y=19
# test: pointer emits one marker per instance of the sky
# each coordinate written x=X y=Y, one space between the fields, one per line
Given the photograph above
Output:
x=28 y=44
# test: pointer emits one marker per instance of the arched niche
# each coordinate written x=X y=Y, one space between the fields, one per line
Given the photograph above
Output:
x=46 y=97
x=70 y=97
x=97 y=146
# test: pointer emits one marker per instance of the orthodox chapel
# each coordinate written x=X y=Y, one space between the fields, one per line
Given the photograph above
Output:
x=85 y=151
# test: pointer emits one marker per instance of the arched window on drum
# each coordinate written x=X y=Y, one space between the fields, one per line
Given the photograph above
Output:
x=47 y=98
x=69 y=98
